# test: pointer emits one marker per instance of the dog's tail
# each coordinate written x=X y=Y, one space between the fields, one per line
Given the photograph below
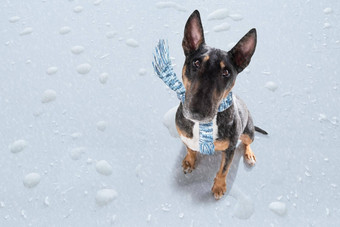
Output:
x=260 y=130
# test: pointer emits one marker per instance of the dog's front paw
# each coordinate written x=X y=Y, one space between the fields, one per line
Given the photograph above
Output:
x=219 y=188
x=188 y=164
x=249 y=157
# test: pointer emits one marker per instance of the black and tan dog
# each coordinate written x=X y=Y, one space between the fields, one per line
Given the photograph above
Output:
x=208 y=75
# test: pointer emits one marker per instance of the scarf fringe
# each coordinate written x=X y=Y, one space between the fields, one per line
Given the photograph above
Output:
x=207 y=148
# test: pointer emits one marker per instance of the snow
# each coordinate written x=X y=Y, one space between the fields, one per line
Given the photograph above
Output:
x=76 y=135
x=148 y=219
x=298 y=49
x=278 y=208
x=218 y=14
x=49 y=95
x=18 y=146
x=47 y=201
x=326 y=25
x=31 y=180
x=77 y=49
x=84 y=68
x=132 y=43
x=221 y=27
x=26 y=31
x=78 y=9
x=236 y=16
x=169 y=4
x=244 y=208
x=169 y=121
x=270 y=85
x=103 y=167
x=103 y=78
x=142 y=71
x=328 y=10
x=77 y=152
x=111 y=34
x=64 y=30
x=14 y=19
x=105 y=196
x=97 y=2
x=52 y=70
x=101 y=125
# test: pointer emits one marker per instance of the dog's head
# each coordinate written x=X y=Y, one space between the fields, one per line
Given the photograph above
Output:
x=208 y=73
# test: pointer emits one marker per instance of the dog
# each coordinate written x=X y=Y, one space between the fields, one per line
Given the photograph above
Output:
x=208 y=76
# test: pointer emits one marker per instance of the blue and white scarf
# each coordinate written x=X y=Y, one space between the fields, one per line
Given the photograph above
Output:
x=163 y=68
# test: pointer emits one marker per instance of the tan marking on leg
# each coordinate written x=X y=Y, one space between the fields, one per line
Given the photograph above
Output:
x=246 y=139
x=221 y=145
x=220 y=171
x=188 y=162
x=220 y=184
x=249 y=157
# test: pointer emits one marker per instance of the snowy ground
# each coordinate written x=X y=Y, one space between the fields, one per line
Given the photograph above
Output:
x=82 y=139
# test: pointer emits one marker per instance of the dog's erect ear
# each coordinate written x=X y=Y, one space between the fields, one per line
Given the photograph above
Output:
x=193 y=33
x=244 y=50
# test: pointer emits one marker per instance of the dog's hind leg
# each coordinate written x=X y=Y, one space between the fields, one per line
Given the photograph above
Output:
x=249 y=156
x=247 y=137
x=188 y=163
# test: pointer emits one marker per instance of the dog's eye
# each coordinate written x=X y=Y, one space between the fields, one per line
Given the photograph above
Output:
x=225 y=73
x=196 y=64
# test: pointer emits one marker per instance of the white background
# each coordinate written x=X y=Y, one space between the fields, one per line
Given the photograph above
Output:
x=297 y=164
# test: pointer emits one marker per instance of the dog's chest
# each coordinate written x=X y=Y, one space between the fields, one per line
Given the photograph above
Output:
x=193 y=143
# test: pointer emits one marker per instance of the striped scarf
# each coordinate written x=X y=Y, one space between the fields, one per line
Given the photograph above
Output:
x=163 y=68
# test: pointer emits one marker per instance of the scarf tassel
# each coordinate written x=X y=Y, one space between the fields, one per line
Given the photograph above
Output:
x=207 y=148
